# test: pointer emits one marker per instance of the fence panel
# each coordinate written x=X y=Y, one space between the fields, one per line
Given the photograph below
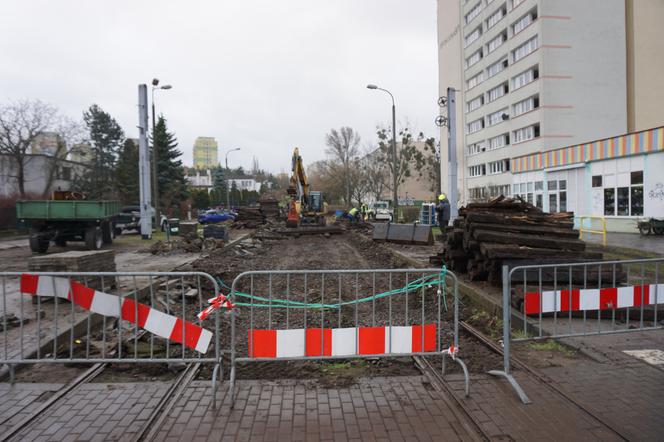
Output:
x=128 y=317
x=580 y=299
x=333 y=314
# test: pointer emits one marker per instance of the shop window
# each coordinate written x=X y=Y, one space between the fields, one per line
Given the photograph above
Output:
x=553 y=203
x=636 y=201
x=563 y=201
x=552 y=185
x=539 y=185
x=609 y=202
x=623 y=201
x=530 y=187
x=636 y=177
x=538 y=200
x=529 y=198
x=597 y=181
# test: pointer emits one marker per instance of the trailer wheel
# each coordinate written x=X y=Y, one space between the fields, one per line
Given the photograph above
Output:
x=38 y=244
x=107 y=232
x=93 y=238
x=60 y=242
x=657 y=230
x=644 y=228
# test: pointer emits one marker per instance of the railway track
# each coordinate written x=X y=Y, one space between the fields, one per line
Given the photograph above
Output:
x=462 y=409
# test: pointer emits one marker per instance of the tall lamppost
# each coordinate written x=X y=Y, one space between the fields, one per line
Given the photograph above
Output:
x=395 y=200
x=155 y=86
x=228 y=186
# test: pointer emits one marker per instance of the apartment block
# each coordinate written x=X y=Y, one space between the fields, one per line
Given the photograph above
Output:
x=533 y=75
x=206 y=153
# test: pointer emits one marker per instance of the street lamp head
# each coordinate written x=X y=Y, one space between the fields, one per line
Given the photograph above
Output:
x=166 y=86
x=155 y=81
x=372 y=86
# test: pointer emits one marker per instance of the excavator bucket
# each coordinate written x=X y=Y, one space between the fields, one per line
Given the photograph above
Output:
x=417 y=234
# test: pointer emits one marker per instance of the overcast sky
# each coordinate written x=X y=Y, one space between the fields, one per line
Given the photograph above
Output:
x=262 y=75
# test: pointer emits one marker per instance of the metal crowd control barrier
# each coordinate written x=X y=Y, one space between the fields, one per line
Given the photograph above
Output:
x=590 y=229
x=108 y=317
x=343 y=314
x=579 y=299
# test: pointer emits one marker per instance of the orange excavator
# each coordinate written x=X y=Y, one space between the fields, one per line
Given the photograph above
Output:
x=306 y=207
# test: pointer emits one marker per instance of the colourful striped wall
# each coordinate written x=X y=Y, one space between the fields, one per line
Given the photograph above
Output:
x=650 y=140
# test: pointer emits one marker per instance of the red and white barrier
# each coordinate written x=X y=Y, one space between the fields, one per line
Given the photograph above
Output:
x=152 y=320
x=610 y=298
x=341 y=341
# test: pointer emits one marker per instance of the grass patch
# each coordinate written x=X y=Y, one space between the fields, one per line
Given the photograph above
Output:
x=489 y=324
x=553 y=346
x=135 y=239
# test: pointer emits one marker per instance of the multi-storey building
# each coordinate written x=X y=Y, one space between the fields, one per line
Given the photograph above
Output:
x=536 y=75
x=206 y=153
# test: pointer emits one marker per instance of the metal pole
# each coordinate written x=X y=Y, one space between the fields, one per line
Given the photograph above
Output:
x=506 y=319
x=155 y=184
x=228 y=187
x=395 y=197
x=451 y=146
x=144 y=163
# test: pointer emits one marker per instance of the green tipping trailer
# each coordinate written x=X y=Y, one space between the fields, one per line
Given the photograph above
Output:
x=68 y=220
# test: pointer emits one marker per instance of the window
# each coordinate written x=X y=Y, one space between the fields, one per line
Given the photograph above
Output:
x=496 y=117
x=477 y=193
x=499 y=141
x=525 y=49
x=526 y=105
x=473 y=36
x=496 y=17
x=523 y=22
x=610 y=201
x=516 y=3
x=478 y=170
x=636 y=201
x=473 y=12
x=539 y=185
x=495 y=43
x=553 y=202
x=474 y=58
x=525 y=77
x=496 y=167
x=474 y=81
x=538 y=201
x=552 y=185
x=496 y=92
x=475 y=103
x=476 y=148
x=515 y=189
x=597 y=181
x=636 y=177
x=497 y=67
x=623 y=201
x=475 y=126
x=527 y=133
x=499 y=190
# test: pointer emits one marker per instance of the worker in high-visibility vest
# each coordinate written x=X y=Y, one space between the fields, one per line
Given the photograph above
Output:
x=443 y=211
x=364 y=209
x=354 y=214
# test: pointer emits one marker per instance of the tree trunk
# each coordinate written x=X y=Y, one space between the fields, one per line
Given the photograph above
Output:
x=21 y=177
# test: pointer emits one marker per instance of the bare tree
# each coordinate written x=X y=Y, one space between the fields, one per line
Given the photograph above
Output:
x=343 y=148
x=376 y=174
x=21 y=123
x=407 y=155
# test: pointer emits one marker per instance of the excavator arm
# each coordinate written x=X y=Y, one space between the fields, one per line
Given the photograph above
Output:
x=299 y=185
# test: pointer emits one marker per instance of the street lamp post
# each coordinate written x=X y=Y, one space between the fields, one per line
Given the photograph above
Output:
x=395 y=200
x=228 y=187
x=155 y=84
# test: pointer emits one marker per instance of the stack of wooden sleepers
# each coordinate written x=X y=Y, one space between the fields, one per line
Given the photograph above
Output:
x=249 y=217
x=509 y=231
x=269 y=207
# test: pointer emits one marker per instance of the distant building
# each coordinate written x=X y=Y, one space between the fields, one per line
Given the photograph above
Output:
x=200 y=179
x=48 y=143
x=81 y=153
x=245 y=184
x=43 y=174
x=206 y=153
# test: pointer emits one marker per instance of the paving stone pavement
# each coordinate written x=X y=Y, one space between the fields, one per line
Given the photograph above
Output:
x=19 y=400
x=97 y=412
x=378 y=409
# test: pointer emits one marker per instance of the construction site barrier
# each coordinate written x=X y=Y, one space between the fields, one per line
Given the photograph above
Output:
x=108 y=317
x=590 y=229
x=578 y=299
x=342 y=314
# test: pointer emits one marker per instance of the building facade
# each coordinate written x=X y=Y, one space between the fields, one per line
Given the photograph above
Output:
x=249 y=184
x=206 y=153
x=200 y=179
x=81 y=153
x=618 y=178
x=536 y=75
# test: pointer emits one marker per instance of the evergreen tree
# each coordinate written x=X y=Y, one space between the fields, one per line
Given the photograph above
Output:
x=106 y=139
x=170 y=172
x=126 y=173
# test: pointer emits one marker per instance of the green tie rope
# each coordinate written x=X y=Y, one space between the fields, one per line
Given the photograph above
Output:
x=417 y=284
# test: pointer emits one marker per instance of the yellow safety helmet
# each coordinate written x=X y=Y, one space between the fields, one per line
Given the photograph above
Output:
x=441 y=197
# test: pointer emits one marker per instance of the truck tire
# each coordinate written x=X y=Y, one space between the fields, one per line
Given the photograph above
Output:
x=60 y=242
x=107 y=232
x=38 y=244
x=93 y=238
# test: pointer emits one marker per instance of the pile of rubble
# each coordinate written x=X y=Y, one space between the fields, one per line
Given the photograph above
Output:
x=187 y=244
x=249 y=218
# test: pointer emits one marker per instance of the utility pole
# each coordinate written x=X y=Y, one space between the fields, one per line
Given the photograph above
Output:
x=144 y=163
x=451 y=145
x=155 y=182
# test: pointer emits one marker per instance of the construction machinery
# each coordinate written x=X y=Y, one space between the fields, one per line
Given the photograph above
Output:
x=306 y=206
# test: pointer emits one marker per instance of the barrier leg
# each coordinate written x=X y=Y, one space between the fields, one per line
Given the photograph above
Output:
x=232 y=385
x=12 y=374
x=214 y=386
x=515 y=385
x=463 y=367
